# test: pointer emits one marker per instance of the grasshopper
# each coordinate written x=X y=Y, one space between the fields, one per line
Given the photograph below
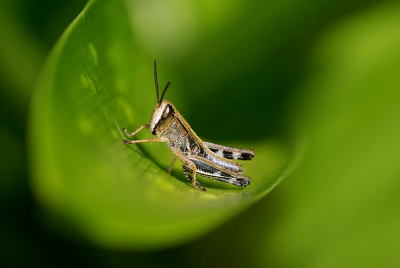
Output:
x=199 y=158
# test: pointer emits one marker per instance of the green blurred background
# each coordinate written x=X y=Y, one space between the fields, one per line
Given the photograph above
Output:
x=328 y=69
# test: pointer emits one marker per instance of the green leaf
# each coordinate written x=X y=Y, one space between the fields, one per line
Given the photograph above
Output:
x=98 y=79
x=342 y=209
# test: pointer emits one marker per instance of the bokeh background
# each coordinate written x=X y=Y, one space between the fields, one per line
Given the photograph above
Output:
x=328 y=69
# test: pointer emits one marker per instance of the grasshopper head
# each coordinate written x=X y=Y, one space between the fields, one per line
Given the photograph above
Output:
x=161 y=113
x=163 y=110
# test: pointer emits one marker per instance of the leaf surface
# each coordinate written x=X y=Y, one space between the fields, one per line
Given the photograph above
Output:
x=97 y=80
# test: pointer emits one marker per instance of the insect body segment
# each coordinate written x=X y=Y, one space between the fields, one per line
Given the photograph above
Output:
x=199 y=158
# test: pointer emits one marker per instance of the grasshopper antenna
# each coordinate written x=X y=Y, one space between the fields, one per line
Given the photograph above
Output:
x=155 y=78
x=165 y=90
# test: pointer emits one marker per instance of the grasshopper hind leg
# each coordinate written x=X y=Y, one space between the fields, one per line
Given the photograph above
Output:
x=186 y=173
x=241 y=182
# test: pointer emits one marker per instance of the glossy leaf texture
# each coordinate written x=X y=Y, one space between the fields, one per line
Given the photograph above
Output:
x=99 y=78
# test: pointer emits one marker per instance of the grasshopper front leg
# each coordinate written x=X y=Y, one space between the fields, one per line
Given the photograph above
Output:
x=157 y=139
x=136 y=131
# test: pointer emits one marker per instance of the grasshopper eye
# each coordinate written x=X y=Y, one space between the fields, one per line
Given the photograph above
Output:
x=167 y=112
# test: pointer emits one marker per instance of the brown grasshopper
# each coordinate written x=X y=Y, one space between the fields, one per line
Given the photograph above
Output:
x=199 y=158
